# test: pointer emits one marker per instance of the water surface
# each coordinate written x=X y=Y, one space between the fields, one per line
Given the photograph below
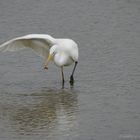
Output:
x=104 y=102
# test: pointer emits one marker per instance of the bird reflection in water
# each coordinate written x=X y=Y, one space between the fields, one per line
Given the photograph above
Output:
x=50 y=112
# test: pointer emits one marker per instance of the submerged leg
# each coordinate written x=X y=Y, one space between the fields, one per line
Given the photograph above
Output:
x=71 y=77
x=63 y=81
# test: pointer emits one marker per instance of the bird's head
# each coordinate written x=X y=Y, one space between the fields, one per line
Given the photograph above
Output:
x=52 y=52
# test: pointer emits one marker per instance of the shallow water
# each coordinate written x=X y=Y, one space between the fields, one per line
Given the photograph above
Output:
x=104 y=102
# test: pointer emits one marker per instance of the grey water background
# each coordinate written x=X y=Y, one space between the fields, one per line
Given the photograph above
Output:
x=104 y=103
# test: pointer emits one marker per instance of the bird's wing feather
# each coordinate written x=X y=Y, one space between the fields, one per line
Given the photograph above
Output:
x=40 y=43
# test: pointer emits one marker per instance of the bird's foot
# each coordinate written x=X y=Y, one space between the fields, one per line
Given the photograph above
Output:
x=63 y=84
x=71 y=80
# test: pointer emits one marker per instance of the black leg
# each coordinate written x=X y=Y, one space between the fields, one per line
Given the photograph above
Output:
x=71 y=77
x=63 y=81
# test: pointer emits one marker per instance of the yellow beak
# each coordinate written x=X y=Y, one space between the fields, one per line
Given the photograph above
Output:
x=48 y=60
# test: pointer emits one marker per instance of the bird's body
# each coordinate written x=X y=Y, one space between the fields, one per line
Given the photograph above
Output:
x=62 y=51
x=67 y=52
x=62 y=59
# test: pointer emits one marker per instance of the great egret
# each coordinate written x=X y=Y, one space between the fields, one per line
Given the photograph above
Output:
x=62 y=51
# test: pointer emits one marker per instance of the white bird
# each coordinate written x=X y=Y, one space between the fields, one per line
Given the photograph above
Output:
x=62 y=51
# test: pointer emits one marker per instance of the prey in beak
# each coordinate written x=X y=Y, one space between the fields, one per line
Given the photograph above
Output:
x=50 y=57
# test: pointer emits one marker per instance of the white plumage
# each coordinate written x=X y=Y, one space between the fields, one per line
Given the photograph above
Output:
x=62 y=51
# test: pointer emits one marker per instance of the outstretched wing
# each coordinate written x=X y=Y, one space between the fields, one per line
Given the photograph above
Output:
x=40 y=43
